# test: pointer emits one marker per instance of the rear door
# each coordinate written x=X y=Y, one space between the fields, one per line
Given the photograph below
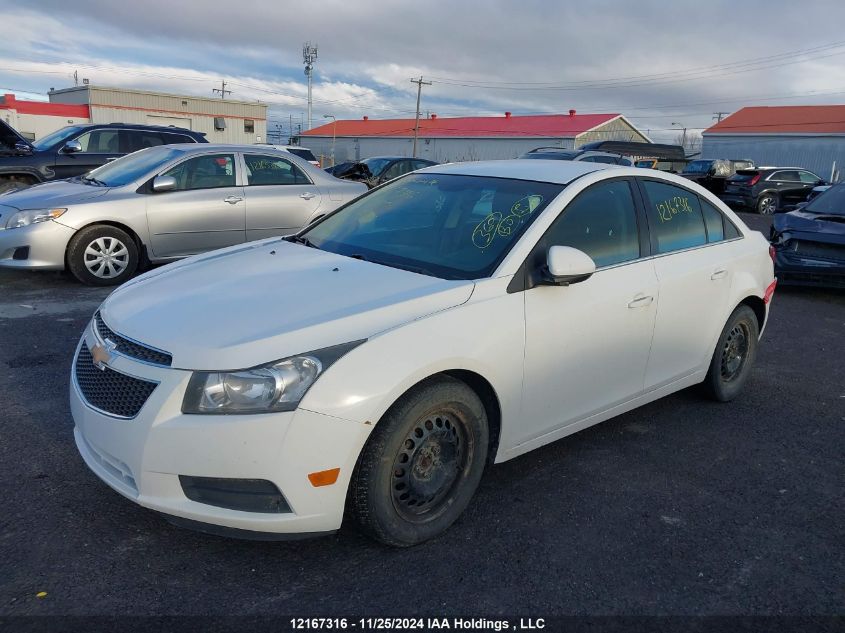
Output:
x=789 y=187
x=206 y=211
x=280 y=197
x=99 y=146
x=695 y=278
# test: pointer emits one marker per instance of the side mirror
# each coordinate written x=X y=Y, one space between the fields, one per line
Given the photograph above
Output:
x=820 y=183
x=164 y=183
x=566 y=265
x=72 y=147
x=22 y=148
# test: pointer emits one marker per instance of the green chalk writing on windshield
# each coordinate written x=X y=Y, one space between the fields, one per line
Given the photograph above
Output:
x=495 y=224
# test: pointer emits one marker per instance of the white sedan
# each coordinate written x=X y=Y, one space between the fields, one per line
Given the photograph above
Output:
x=378 y=360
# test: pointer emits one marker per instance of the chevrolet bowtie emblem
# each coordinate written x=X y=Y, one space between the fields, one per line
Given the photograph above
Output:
x=101 y=356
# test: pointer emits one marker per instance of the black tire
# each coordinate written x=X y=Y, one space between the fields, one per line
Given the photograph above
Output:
x=440 y=430
x=734 y=356
x=767 y=204
x=108 y=240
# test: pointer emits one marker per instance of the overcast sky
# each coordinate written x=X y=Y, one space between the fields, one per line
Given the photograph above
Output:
x=664 y=65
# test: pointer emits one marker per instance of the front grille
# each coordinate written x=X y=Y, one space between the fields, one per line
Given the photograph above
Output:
x=109 y=390
x=131 y=348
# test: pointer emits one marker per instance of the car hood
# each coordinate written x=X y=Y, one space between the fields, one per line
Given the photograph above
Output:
x=253 y=304
x=9 y=136
x=60 y=193
x=826 y=228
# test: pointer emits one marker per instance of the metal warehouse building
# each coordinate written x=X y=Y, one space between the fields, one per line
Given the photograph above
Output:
x=465 y=138
x=34 y=119
x=222 y=120
x=812 y=137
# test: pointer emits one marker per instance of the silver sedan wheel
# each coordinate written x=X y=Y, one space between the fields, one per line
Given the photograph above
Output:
x=106 y=257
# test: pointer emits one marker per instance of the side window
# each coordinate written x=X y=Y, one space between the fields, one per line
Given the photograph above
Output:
x=100 y=142
x=204 y=172
x=674 y=216
x=713 y=221
x=140 y=139
x=785 y=176
x=608 y=160
x=731 y=232
x=170 y=137
x=808 y=178
x=269 y=170
x=395 y=170
x=602 y=222
x=418 y=164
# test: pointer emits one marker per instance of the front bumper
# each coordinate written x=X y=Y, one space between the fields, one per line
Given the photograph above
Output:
x=39 y=246
x=142 y=457
x=801 y=270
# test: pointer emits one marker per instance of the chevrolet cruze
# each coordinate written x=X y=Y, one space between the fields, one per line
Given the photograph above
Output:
x=378 y=360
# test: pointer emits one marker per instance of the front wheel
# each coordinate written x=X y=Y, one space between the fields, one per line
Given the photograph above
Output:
x=734 y=356
x=421 y=465
x=102 y=255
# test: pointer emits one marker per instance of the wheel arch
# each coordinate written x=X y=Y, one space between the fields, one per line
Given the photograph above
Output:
x=142 y=250
x=758 y=306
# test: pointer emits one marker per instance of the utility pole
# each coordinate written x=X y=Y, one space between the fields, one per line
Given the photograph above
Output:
x=420 y=83
x=222 y=89
x=309 y=56
x=718 y=116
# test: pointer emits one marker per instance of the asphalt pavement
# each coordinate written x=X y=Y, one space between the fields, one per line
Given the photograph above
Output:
x=684 y=506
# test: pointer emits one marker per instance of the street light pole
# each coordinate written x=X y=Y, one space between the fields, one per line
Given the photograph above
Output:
x=334 y=132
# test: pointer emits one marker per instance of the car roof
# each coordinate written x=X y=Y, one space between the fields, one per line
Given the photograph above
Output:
x=555 y=171
x=140 y=126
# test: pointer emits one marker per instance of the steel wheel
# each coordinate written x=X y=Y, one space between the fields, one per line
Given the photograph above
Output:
x=734 y=352
x=428 y=464
x=106 y=257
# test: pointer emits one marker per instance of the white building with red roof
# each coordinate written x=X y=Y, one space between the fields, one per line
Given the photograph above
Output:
x=466 y=138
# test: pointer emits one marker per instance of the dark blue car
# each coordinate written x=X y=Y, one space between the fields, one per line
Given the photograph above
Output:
x=809 y=243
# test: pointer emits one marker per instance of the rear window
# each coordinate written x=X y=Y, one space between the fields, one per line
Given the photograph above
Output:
x=551 y=155
x=307 y=154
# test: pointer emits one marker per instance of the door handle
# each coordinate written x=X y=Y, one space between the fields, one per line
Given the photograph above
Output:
x=307 y=195
x=641 y=302
x=721 y=273
x=232 y=199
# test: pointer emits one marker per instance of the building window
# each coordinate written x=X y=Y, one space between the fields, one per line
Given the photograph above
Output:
x=249 y=126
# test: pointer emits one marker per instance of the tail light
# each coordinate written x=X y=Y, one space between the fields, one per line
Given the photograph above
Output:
x=770 y=290
x=754 y=179
x=772 y=251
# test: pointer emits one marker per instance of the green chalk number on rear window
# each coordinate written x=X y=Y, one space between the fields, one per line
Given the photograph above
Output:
x=669 y=208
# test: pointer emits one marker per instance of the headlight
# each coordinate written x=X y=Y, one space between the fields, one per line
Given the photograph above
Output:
x=278 y=386
x=25 y=218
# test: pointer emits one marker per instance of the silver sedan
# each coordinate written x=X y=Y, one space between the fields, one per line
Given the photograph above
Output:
x=161 y=204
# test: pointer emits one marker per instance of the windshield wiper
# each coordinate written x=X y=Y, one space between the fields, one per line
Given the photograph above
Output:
x=301 y=239
x=99 y=183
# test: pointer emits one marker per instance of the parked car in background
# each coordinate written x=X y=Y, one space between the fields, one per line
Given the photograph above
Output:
x=768 y=190
x=160 y=204
x=375 y=363
x=589 y=156
x=77 y=149
x=712 y=174
x=809 y=242
x=379 y=169
x=816 y=191
x=302 y=152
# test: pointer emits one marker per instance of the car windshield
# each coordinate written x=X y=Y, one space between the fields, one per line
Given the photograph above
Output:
x=698 y=167
x=376 y=165
x=46 y=142
x=830 y=202
x=132 y=167
x=449 y=226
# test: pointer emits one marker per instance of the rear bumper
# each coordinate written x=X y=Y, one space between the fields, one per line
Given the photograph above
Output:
x=38 y=246
x=737 y=200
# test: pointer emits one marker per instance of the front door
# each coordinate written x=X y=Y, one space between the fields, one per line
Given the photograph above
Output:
x=587 y=344
x=280 y=198
x=99 y=146
x=206 y=211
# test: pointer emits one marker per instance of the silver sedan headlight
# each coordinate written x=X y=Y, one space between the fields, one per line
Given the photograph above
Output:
x=32 y=216
x=278 y=386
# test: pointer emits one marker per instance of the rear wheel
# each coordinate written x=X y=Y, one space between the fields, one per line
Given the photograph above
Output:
x=102 y=256
x=422 y=464
x=767 y=204
x=734 y=356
